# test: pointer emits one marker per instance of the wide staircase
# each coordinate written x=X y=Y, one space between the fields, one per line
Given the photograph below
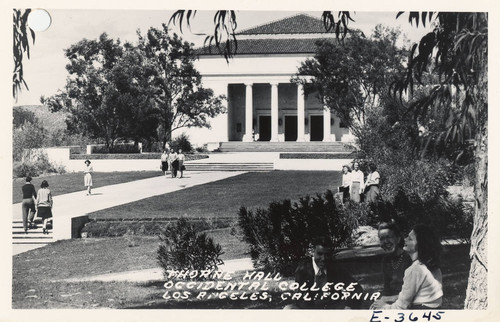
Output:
x=236 y=146
x=228 y=166
x=34 y=236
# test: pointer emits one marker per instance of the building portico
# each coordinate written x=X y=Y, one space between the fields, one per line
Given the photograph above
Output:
x=262 y=102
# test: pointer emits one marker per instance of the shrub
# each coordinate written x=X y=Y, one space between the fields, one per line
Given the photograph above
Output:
x=117 y=148
x=281 y=235
x=184 y=248
x=36 y=164
x=202 y=149
x=181 y=142
x=450 y=218
x=426 y=178
x=23 y=169
x=27 y=136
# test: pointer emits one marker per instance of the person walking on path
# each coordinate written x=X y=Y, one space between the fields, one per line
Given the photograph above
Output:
x=173 y=163
x=357 y=183
x=44 y=204
x=181 y=158
x=28 y=204
x=164 y=162
x=87 y=179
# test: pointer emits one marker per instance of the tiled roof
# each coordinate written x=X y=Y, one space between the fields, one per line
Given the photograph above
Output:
x=267 y=46
x=298 y=24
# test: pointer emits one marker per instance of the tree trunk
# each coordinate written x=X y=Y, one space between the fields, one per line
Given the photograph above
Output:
x=477 y=288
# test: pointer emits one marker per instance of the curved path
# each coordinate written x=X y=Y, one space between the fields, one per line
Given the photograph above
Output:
x=78 y=203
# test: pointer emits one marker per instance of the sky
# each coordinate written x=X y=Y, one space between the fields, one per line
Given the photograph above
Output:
x=45 y=71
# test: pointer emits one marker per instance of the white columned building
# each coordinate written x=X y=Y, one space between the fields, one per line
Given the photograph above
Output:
x=262 y=101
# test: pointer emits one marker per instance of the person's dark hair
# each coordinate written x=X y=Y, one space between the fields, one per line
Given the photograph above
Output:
x=322 y=241
x=395 y=229
x=372 y=166
x=428 y=246
x=87 y=162
x=44 y=184
x=28 y=179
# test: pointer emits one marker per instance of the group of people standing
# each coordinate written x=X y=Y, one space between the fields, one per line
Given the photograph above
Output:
x=354 y=185
x=39 y=204
x=173 y=161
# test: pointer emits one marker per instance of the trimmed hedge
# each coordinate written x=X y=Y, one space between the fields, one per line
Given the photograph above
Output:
x=143 y=156
x=338 y=155
x=147 y=227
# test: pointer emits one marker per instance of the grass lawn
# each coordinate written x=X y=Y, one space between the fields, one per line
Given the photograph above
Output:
x=72 y=182
x=224 y=198
x=37 y=275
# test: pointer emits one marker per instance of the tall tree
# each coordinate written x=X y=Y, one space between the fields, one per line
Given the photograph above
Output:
x=179 y=95
x=457 y=52
x=89 y=96
x=351 y=79
x=130 y=88
x=21 y=46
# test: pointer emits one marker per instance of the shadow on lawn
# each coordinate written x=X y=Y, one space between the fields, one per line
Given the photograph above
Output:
x=367 y=270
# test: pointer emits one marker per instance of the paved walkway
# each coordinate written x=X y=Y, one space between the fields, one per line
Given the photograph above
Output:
x=78 y=203
x=230 y=266
x=156 y=274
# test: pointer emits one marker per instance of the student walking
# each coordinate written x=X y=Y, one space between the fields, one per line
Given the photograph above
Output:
x=164 y=162
x=44 y=204
x=87 y=179
x=173 y=163
x=181 y=158
x=28 y=204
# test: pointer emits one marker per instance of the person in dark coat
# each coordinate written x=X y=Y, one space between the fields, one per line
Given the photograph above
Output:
x=28 y=204
x=320 y=270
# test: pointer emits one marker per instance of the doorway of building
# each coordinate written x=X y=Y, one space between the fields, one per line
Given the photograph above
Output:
x=316 y=128
x=264 y=128
x=291 y=128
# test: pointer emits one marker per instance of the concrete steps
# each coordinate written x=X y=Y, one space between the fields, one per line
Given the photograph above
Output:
x=234 y=146
x=33 y=237
x=226 y=166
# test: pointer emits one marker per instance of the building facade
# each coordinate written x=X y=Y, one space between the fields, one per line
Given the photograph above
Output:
x=262 y=102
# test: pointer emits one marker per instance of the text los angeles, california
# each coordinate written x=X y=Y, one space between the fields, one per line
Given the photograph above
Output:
x=253 y=286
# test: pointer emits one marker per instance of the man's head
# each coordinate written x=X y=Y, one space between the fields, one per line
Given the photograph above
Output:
x=322 y=247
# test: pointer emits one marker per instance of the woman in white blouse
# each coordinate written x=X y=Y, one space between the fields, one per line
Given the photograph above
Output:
x=87 y=179
x=357 y=183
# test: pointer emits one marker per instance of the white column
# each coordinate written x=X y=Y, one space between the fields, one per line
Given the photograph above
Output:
x=274 y=112
x=247 y=137
x=327 y=125
x=300 y=113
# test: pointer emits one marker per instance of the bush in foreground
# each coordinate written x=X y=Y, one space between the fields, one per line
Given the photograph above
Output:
x=184 y=248
x=281 y=235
